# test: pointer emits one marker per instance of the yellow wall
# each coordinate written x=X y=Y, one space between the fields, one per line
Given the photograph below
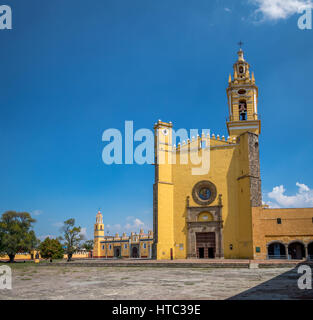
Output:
x=29 y=256
x=79 y=255
x=18 y=257
x=296 y=225
x=228 y=161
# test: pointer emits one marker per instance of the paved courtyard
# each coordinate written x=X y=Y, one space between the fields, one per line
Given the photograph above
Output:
x=112 y=282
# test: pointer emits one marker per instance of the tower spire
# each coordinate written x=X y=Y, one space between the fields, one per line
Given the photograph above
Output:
x=242 y=96
x=240 y=52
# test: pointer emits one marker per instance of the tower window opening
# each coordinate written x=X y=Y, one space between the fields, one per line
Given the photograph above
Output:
x=241 y=69
x=243 y=110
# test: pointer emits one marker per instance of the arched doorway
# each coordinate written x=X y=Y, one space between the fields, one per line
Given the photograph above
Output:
x=310 y=251
x=135 y=252
x=296 y=251
x=276 y=250
x=117 y=252
x=206 y=245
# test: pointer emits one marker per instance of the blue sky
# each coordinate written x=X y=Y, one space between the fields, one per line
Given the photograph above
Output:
x=71 y=69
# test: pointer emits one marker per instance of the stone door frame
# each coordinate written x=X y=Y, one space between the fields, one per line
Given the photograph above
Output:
x=194 y=226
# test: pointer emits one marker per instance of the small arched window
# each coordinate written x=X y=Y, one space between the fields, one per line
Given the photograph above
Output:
x=242 y=110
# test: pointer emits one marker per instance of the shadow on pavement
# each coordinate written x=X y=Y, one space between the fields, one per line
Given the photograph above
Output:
x=282 y=287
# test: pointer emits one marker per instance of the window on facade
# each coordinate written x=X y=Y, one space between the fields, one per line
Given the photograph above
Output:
x=144 y=246
x=279 y=221
x=242 y=110
x=125 y=246
x=110 y=247
x=102 y=247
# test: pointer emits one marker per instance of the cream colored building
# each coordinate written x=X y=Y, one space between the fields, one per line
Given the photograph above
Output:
x=124 y=246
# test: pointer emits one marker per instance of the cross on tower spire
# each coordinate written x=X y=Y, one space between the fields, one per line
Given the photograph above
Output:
x=240 y=43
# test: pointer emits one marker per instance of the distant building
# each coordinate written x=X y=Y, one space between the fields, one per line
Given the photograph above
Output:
x=133 y=246
x=27 y=256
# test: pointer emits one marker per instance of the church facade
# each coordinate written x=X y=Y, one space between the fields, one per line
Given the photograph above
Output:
x=138 y=246
x=220 y=214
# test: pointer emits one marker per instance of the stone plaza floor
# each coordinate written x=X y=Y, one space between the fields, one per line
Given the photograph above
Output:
x=61 y=281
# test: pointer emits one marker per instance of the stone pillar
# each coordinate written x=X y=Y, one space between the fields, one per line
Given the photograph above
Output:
x=286 y=248
x=192 y=252
x=220 y=236
x=306 y=252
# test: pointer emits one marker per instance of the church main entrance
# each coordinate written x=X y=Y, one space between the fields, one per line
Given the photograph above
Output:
x=205 y=232
x=117 y=252
x=206 y=245
x=135 y=252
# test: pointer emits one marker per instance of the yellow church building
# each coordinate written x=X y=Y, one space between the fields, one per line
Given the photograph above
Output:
x=134 y=246
x=220 y=214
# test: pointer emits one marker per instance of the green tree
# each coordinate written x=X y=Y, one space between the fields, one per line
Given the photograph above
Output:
x=88 y=245
x=16 y=234
x=51 y=249
x=71 y=237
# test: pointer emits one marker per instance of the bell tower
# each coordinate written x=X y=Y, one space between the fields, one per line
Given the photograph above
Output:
x=98 y=235
x=242 y=94
x=163 y=192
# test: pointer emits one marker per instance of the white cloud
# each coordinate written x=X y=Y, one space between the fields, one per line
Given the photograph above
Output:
x=37 y=212
x=134 y=225
x=227 y=9
x=279 y=9
x=302 y=199
x=58 y=224
x=112 y=228
x=83 y=232
x=51 y=236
